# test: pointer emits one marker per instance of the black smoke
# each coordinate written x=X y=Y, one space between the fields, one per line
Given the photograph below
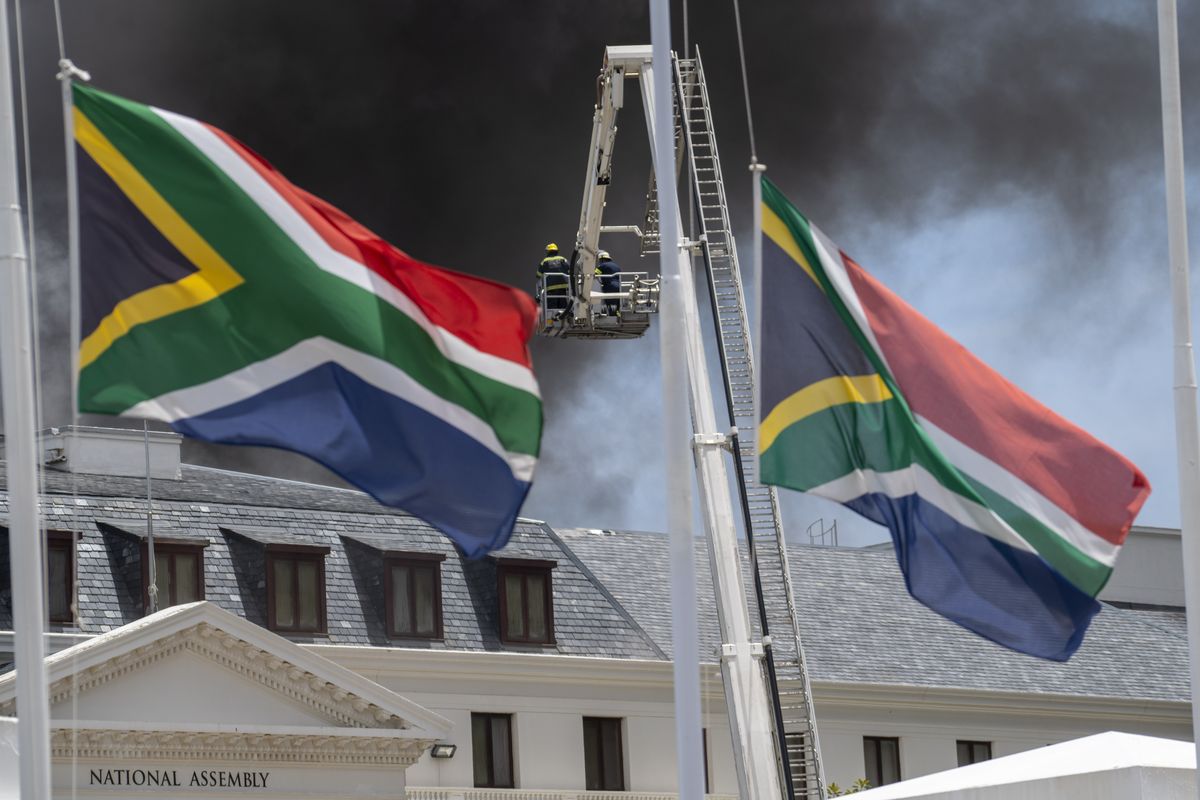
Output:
x=459 y=132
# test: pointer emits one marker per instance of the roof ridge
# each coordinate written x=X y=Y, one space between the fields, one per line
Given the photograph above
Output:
x=599 y=584
x=1142 y=617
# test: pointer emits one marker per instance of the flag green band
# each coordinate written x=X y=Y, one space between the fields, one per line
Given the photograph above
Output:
x=193 y=346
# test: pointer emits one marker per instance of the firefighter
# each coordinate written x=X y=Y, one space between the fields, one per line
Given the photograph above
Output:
x=553 y=279
x=610 y=281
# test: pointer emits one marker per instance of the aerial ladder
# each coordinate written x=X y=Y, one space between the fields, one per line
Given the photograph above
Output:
x=763 y=668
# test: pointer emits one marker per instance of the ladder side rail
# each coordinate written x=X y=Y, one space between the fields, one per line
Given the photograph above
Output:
x=801 y=660
x=785 y=764
x=768 y=656
x=752 y=451
x=651 y=238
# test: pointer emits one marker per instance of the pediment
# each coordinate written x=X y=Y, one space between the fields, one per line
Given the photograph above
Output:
x=201 y=664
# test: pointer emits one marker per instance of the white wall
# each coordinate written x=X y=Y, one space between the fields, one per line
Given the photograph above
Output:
x=548 y=707
x=549 y=696
x=928 y=730
x=1149 y=569
x=548 y=741
x=187 y=686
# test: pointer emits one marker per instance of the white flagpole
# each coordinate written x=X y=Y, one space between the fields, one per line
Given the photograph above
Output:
x=20 y=421
x=756 y=278
x=677 y=423
x=1186 y=432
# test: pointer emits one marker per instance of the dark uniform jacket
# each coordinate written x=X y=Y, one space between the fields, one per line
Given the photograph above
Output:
x=607 y=271
x=555 y=283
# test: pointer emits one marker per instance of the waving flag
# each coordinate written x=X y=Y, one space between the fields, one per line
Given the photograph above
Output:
x=1005 y=518
x=238 y=308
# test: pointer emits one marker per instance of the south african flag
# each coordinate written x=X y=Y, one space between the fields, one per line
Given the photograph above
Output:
x=221 y=299
x=1005 y=518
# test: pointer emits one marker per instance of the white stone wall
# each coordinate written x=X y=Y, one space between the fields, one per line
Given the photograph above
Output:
x=548 y=741
x=1149 y=570
x=928 y=736
x=549 y=696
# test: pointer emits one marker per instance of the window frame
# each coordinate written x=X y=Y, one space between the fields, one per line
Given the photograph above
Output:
x=60 y=540
x=296 y=553
x=878 y=741
x=491 y=764
x=600 y=722
x=171 y=547
x=431 y=561
x=971 y=744
x=526 y=568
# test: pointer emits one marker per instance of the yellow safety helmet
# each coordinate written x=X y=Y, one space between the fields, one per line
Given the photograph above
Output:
x=552 y=248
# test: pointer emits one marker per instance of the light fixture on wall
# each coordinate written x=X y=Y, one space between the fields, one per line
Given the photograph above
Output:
x=443 y=750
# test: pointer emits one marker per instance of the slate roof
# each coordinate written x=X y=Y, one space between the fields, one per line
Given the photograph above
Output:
x=237 y=514
x=611 y=595
x=859 y=625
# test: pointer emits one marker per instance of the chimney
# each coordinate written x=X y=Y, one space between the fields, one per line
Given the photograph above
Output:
x=109 y=451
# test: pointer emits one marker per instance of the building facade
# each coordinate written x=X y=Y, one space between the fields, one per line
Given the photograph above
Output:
x=545 y=670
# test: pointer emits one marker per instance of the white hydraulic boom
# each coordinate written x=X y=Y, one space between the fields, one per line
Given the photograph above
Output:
x=623 y=311
x=765 y=679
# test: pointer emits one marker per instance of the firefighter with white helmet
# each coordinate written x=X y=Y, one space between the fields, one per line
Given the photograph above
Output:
x=610 y=281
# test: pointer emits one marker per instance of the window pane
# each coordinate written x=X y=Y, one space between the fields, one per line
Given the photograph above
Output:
x=515 y=606
x=423 y=577
x=401 y=608
x=187 y=589
x=285 y=614
x=502 y=750
x=480 y=751
x=58 y=567
x=602 y=754
x=162 y=578
x=614 y=778
x=889 y=761
x=535 y=585
x=592 y=763
x=871 y=760
x=306 y=580
x=973 y=752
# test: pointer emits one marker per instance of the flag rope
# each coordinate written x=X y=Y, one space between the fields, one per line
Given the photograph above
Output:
x=737 y=17
x=68 y=72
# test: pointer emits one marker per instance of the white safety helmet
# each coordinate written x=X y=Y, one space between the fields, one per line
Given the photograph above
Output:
x=603 y=255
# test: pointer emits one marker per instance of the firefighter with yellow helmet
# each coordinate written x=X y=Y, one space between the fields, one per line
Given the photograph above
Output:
x=553 y=277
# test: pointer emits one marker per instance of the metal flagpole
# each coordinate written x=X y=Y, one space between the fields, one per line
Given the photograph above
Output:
x=677 y=425
x=756 y=292
x=151 y=562
x=1187 y=435
x=16 y=375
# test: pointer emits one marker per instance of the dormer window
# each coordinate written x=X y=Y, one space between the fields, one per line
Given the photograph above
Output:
x=178 y=572
x=296 y=588
x=526 y=608
x=414 y=595
x=60 y=576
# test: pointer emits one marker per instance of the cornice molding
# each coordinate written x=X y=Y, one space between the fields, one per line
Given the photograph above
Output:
x=959 y=700
x=166 y=745
x=522 y=668
x=332 y=702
